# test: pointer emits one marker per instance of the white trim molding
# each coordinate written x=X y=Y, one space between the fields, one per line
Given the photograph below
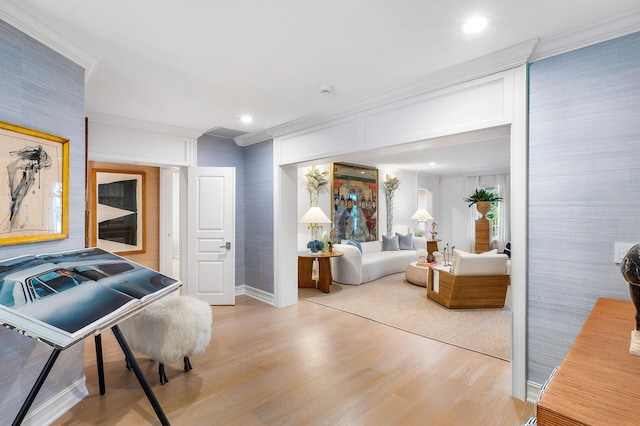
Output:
x=587 y=36
x=533 y=392
x=58 y=404
x=255 y=293
x=496 y=62
x=528 y=51
x=12 y=13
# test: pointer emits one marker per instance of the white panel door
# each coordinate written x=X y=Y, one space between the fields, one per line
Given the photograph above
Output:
x=210 y=274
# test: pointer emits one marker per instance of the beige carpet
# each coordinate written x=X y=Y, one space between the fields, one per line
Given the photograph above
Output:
x=393 y=301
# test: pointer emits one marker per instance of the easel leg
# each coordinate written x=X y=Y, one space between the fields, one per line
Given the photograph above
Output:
x=143 y=382
x=36 y=387
x=100 y=362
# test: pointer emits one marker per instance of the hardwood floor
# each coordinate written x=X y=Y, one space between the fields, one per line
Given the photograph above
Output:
x=306 y=364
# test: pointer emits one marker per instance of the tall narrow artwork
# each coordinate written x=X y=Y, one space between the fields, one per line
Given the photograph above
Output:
x=118 y=213
x=34 y=185
x=355 y=200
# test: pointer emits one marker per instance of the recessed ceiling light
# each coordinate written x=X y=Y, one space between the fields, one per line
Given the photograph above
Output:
x=475 y=24
x=246 y=119
x=433 y=163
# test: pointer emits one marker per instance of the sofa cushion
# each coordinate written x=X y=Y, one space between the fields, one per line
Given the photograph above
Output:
x=480 y=264
x=371 y=246
x=390 y=243
x=355 y=244
x=405 y=242
x=458 y=253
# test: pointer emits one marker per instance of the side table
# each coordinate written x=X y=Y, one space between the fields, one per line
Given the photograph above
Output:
x=432 y=245
x=305 y=267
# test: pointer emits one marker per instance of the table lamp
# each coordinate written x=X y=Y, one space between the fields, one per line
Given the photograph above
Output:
x=314 y=216
x=421 y=215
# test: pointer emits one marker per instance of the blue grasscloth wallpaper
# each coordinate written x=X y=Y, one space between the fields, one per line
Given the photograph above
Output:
x=259 y=216
x=254 y=205
x=44 y=91
x=584 y=169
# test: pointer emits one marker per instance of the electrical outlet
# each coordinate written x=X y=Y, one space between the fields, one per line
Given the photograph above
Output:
x=620 y=251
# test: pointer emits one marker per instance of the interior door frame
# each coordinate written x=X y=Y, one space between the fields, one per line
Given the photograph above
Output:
x=285 y=286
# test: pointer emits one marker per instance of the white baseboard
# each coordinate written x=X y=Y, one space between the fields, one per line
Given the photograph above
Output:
x=533 y=391
x=257 y=294
x=55 y=407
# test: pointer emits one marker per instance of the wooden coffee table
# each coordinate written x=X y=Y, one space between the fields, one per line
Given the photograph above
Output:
x=305 y=267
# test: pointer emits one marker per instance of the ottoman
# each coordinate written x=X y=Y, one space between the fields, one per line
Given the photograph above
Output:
x=416 y=274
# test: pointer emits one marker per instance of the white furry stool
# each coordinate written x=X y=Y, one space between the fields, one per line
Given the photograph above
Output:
x=173 y=328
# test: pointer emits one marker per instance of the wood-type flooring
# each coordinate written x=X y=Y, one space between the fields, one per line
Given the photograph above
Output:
x=305 y=364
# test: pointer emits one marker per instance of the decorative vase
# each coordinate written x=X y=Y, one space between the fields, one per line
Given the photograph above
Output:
x=483 y=207
x=422 y=259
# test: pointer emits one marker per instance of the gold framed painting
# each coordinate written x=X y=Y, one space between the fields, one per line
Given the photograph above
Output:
x=118 y=210
x=355 y=202
x=34 y=185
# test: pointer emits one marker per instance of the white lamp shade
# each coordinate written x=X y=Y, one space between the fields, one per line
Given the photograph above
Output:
x=315 y=215
x=421 y=214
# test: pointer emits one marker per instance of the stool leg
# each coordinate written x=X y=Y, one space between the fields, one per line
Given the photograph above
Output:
x=163 y=376
x=187 y=364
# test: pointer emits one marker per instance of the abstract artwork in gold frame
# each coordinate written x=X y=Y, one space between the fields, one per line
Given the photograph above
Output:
x=34 y=185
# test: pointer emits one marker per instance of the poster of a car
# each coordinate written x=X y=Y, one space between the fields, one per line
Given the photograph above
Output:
x=60 y=298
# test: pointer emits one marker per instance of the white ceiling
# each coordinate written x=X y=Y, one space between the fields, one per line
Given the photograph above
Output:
x=201 y=64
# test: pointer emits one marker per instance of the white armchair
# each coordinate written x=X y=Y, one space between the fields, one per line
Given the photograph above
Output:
x=475 y=281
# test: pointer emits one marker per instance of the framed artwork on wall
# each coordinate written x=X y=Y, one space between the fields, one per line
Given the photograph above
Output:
x=34 y=185
x=355 y=202
x=118 y=210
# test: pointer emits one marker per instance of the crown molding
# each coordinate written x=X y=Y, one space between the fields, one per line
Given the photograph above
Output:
x=486 y=65
x=511 y=57
x=147 y=126
x=19 y=18
x=252 y=138
x=587 y=36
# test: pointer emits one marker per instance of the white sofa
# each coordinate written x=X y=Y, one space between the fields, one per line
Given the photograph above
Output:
x=357 y=268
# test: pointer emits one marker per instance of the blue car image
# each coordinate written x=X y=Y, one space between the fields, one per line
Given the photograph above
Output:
x=71 y=291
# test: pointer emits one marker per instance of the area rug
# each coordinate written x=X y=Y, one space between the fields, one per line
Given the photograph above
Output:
x=393 y=301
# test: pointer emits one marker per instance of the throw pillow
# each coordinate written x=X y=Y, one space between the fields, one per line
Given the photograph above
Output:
x=405 y=242
x=494 y=251
x=507 y=249
x=355 y=244
x=390 y=243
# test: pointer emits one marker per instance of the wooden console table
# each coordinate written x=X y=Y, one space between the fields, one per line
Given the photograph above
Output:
x=598 y=383
x=305 y=267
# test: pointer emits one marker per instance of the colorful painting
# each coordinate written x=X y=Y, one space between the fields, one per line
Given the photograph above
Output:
x=34 y=179
x=355 y=202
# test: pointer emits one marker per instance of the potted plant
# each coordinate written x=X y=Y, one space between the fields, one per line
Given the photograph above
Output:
x=483 y=199
x=482 y=194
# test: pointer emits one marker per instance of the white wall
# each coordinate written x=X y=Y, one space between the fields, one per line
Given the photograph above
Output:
x=119 y=140
x=324 y=202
